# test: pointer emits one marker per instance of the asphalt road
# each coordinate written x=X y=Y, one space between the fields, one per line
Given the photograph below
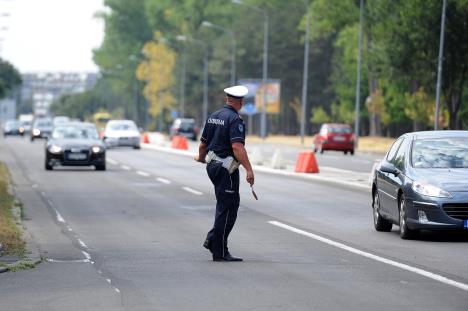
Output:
x=130 y=238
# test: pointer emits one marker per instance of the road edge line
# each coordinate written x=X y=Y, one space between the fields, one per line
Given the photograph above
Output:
x=390 y=262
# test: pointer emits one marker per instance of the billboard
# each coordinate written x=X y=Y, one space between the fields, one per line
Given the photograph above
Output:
x=254 y=98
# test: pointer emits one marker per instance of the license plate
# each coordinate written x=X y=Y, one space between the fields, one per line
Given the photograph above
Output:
x=77 y=156
x=339 y=138
x=465 y=224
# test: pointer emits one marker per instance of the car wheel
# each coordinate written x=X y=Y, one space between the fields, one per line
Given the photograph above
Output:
x=405 y=232
x=345 y=152
x=352 y=152
x=380 y=224
x=101 y=167
x=48 y=167
x=136 y=147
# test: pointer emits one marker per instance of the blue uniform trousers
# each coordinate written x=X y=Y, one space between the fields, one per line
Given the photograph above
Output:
x=227 y=204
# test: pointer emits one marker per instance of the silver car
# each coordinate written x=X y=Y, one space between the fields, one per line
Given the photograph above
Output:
x=122 y=133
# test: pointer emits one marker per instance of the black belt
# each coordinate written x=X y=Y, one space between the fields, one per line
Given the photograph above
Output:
x=216 y=162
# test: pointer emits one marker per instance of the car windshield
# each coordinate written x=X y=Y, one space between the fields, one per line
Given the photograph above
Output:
x=186 y=125
x=75 y=132
x=440 y=153
x=339 y=130
x=12 y=124
x=122 y=127
x=44 y=123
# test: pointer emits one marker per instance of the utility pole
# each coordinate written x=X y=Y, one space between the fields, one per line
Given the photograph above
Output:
x=439 y=66
x=305 y=76
x=358 y=82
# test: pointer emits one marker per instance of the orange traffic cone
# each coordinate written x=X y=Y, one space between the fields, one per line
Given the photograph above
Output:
x=306 y=163
x=179 y=142
x=145 y=138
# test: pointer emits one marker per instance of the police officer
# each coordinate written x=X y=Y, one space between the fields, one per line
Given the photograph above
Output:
x=224 y=137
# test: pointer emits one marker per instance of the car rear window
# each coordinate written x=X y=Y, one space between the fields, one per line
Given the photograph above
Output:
x=339 y=130
x=122 y=127
x=440 y=153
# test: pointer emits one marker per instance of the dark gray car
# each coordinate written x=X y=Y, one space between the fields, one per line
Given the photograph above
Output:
x=42 y=128
x=75 y=144
x=422 y=183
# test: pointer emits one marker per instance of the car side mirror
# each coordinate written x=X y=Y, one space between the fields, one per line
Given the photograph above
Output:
x=389 y=168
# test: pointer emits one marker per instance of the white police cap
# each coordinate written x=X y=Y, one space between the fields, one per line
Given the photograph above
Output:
x=238 y=91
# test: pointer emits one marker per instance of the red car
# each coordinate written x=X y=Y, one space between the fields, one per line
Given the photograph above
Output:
x=334 y=136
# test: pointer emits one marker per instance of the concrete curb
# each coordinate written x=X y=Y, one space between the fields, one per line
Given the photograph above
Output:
x=268 y=170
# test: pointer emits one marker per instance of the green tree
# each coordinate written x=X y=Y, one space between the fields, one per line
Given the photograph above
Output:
x=9 y=77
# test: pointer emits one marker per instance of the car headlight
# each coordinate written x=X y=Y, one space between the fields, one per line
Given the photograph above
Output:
x=96 y=149
x=55 y=149
x=429 y=190
x=36 y=132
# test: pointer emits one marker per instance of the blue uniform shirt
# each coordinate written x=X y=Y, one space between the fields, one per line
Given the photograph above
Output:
x=222 y=128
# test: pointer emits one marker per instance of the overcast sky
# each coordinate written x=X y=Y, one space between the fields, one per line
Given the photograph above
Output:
x=50 y=35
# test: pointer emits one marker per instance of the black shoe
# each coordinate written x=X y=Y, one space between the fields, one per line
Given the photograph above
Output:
x=228 y=257
x=207 y=245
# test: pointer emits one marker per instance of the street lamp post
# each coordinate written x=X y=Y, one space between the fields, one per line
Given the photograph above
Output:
x=263 y=120
x=439 y=66
x=233 y=47
x=305 y=76
x=358 y=82
x=205 y=73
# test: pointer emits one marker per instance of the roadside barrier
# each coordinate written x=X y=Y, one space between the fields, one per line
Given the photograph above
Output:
x=277 y=160
x=145 y=138
x=256 y=157
x=179 y=142
x=157 y=138
x=306 y=163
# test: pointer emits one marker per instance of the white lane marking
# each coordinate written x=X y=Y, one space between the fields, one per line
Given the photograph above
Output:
x=88 y=256
x=82 y=243
x=141 y=173
x=356 y=251
x=67 y=261
x=112 y=161
x=164 y=181
x=59 y=217
x=69 y=228
x=34 y=186
x=109 y=281
x=125 y=167
x=117 y=290
x=193 y=191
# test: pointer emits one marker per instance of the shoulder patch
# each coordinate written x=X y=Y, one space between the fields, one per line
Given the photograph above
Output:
x=241 y=128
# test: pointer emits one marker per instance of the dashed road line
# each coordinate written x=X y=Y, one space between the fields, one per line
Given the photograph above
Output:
x=59 y=217
x=164 y=181
x=126 y=167
x=141 y=173
x=67 y=261
x=112 y=161
x=193 y=191
x=82 y=243
x=390 y=262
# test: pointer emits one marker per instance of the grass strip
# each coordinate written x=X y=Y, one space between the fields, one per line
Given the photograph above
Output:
x=10 y=233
